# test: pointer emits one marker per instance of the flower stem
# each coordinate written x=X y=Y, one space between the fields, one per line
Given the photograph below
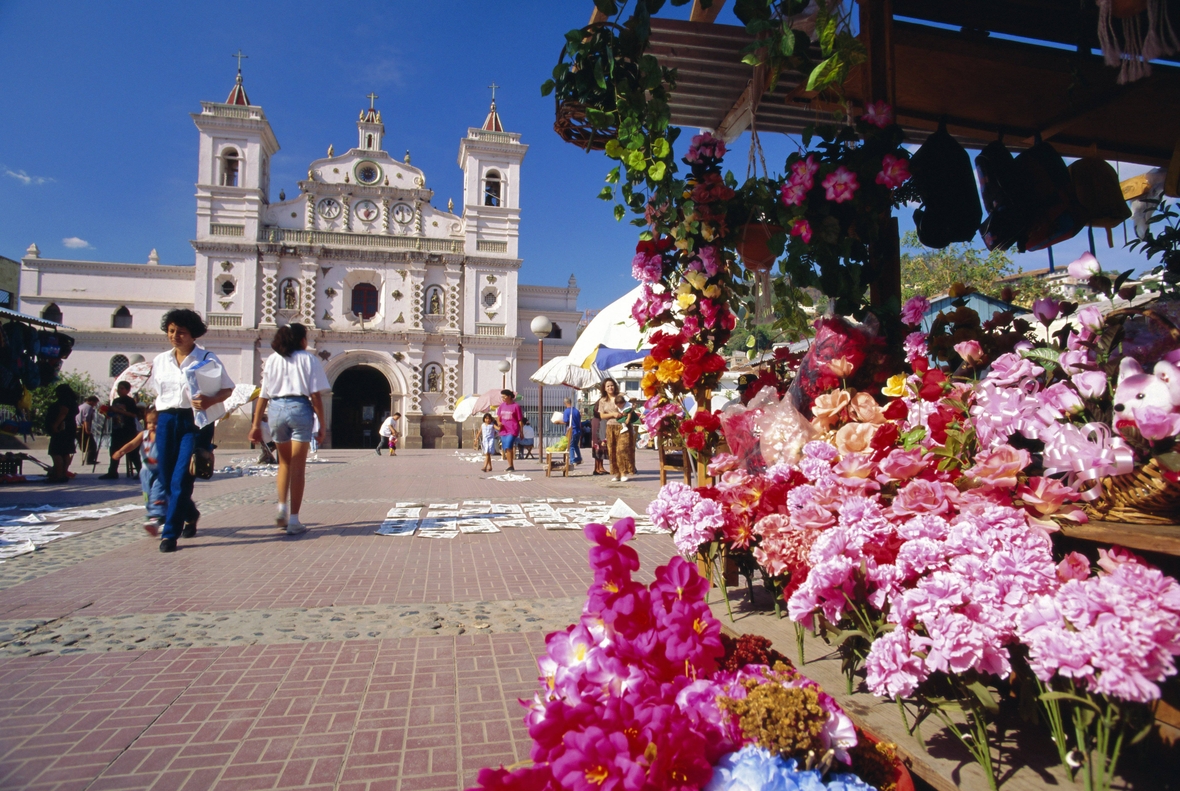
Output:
x=800 y=630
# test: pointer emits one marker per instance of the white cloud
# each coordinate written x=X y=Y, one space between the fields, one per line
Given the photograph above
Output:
x=25 y=178
x=74 y=243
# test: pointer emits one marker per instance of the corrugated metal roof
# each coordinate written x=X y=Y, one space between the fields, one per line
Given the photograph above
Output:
x=12 y=314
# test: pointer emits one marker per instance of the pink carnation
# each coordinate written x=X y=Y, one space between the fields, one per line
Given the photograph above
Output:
x=914 y=309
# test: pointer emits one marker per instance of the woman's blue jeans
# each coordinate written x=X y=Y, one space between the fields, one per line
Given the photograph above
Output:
x=177 y=436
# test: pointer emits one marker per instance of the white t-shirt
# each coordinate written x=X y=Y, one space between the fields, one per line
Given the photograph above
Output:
x=170 y=383
x=301 y=374
x=387 y=428
x=529 y=433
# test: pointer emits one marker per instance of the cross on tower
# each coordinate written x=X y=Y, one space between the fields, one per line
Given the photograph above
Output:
x=493 y=86
x=239 y=56
x=372 y=97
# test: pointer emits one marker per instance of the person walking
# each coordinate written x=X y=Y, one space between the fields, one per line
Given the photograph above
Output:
x=573 y=422
x=61 y=426
x=510 y=419
x=177 y=435
x=85 y=422
x=389 y=433
x=292 y=380
x=609 y=412
x=124 y=416
x=487 y=440
x=149 y=474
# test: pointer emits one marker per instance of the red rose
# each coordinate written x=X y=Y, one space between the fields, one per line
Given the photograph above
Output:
x=932 y=383
x=665 y=345
x=921 y=365
x=885 y=436
x=897 y=410
x=938 y=422
x=713 y=363
x=692 y=375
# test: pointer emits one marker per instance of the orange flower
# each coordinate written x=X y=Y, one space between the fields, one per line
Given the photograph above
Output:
x=854 y=438
x=829 y=406
x=650 y=383
x=866 y=410
x=670 y=371
x=841 y=367
x=649 y=363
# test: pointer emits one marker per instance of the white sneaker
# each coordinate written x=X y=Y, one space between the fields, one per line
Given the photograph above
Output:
x=614 y=477
x=295 y=527
x=281 y=515
x=623 y=478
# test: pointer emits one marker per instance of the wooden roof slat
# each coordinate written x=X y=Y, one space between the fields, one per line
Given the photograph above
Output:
x=707 y=15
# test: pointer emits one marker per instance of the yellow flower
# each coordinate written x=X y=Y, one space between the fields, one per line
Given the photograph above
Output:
x=707 y=232
x=649 y=363
x=895 y=387
x=670 y=371
x=697 y=279
x=650 y=383
x=684 y=296
x=713 y=291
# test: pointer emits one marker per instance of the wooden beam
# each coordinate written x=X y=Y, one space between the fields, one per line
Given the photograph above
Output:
x=700 y=14
x=739 y=117
x=597 y=17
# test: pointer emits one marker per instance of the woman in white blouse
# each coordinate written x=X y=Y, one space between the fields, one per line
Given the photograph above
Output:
x=177 y=435
x=292 y=381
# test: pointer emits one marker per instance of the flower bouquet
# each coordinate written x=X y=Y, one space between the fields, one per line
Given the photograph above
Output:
x=642 y=693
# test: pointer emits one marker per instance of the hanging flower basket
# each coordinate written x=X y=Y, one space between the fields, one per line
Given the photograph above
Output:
x=573 y=127
x=753 y=244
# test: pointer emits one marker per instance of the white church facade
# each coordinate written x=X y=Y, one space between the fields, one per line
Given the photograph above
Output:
x=411 y=306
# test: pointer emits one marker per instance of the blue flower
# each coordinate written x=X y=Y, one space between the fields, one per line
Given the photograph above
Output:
x=755 y=769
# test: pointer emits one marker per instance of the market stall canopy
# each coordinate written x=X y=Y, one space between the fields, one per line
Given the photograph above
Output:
x=611 y=336
x=475 y=405
x=981 y=84
x=5 y=313
x=567 y=371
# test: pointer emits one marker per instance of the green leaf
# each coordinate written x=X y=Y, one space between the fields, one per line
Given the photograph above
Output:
x=985 y=697
x=660 y=148
x=607 y=193
x=615 y=151
x=912 y=438
x=752 y=59
x=1170 y=460
x=613 y=176
x=786 y=44
x=619 y=212
x=547 y=87
x=608 y=7
x=1072 y=698
x=636 y=161
x=599 y=75
x=824 y=73
x=657 y=171
x=1044 y=356
x=827 y=37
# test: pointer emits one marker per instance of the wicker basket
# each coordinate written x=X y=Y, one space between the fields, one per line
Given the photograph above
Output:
x=1143 y=497
x=573 y=127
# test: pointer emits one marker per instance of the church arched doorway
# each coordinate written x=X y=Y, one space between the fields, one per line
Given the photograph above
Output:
x=360 y=399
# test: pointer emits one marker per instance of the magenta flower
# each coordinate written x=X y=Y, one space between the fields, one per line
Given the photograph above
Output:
x=879 y=114
x=802 y=229
x=1085 y=267
x=794 y=194
x=647 y=268
x=1090 y=384
x=803 y=172
x=841 y=185
x=970 y=351
x=1156 y=424
x=914 y=310
x=595 y=760
x=914 y=346
x=1090 y=318
x=895 y=171
x=1046 y=309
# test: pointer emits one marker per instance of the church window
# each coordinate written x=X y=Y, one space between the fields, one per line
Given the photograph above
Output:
x=52 y=313
x=364 y=300
x=227 y=288
x=555 y=332
x=489 y=299
x=434 y=302
x=229 y=167
x=491 y=188
x=121 y=320
x=289 y=295
x=119 y=364
x=368 y=141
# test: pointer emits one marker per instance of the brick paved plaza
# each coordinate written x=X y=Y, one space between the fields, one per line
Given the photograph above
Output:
x=339 y=659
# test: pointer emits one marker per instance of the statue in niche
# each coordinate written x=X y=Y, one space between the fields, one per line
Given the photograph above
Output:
x=435 y=303
x=432 y=384
x=290 y=296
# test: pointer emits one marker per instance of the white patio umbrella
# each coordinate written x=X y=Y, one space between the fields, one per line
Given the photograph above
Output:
x=613 y=328
x=136 y=375
x=565 y=371
x=465 y=408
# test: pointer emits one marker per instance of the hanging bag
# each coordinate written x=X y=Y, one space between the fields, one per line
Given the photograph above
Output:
x=1005 y=190
x=943 y=177
x=1055 y=213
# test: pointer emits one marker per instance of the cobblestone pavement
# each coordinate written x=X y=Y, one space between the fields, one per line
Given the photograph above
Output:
x=338 y=659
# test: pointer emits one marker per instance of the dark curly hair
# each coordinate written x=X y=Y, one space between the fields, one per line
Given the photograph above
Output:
x=289 y=339
x=188 y=319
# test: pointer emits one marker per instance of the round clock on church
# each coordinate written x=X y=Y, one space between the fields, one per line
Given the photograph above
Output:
x=329 y=208
x=367 y=211
x=367 y=173
x=403 y=213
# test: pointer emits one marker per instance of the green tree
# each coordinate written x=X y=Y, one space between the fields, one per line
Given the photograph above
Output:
x=931 y=273
x=764 y=337
x=43 y=396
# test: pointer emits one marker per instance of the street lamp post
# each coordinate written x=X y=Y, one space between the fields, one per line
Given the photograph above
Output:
x=541 y=327
x=504 y=367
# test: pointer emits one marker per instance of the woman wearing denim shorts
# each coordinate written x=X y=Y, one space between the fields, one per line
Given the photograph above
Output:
x=292 y=380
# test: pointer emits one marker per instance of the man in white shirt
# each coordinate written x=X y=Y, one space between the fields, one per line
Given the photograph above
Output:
x=177 y=435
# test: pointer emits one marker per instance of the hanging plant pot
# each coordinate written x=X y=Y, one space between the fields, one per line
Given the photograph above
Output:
x=753 y=245
x=572 y=126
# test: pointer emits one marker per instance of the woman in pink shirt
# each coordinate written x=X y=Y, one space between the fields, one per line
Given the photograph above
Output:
x=509 y=418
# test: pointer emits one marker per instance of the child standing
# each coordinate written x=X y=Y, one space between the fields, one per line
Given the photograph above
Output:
x=488 y=440
x=149 y=478
x=629 y=419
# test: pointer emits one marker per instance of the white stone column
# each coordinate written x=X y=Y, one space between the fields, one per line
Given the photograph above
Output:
x=309 y=269
x=269 y=296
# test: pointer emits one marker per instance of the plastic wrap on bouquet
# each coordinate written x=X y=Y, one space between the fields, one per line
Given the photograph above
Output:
x=784 y=430
x=740 y=426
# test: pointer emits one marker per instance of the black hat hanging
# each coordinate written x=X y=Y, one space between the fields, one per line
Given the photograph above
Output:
x=1056 y=215
x=1005 y=192
x=943 y=178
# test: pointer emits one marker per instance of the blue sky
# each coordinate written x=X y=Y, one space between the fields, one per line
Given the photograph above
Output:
x=98 y=153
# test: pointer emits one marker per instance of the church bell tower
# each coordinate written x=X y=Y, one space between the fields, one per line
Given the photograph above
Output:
x=491 y=159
